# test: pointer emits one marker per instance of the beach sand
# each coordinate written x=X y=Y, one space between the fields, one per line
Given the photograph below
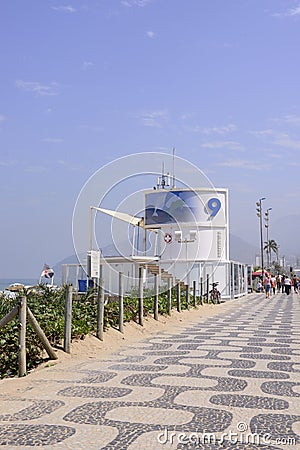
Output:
x=92 y=348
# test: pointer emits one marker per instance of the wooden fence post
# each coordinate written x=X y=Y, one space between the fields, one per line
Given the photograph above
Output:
x=121 y=302
x=100 y=309
x=207 y=288
x=194 y=294
x=68 y=319
x=187 y=296
x=13 y=313
x=22 y=337
x=178 y=295
x=41 y=335
x=141 y=296
x=201 y=291
x=169 y=304
x=155 y=306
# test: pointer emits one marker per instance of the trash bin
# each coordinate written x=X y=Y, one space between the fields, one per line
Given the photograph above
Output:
x=82 y=285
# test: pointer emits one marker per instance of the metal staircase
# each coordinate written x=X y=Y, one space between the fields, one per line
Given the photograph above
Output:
x=154 y=269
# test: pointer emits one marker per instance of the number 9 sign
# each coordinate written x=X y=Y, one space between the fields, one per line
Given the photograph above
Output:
x=213 y=207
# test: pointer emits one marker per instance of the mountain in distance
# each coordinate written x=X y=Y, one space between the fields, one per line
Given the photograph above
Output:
x=241 y=251
x=58 y=268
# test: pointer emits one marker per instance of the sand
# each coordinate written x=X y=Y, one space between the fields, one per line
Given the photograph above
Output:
x=91 y=348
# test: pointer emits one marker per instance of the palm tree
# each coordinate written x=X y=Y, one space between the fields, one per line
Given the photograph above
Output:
x=271 y=246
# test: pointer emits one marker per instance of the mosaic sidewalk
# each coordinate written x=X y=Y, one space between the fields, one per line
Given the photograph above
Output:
x=230 y=381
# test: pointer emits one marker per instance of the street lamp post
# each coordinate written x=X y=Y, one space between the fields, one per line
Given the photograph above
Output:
x=259 y=214
x=267 y=227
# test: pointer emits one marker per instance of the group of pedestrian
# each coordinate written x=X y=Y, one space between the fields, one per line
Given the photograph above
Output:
x=286 y=284
x=281 y=283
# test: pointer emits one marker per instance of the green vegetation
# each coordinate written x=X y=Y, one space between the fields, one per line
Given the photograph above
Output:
x=48 y=308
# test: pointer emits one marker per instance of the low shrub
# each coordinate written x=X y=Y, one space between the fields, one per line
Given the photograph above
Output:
x=48 y=307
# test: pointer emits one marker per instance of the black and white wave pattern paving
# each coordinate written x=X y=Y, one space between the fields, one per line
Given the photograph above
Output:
x=240 y=366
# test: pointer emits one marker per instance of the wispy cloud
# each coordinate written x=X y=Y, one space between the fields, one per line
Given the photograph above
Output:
x=292 y=12
x=241 y=164
x=294 y=164
x=64 y=8
x=67 y=165
x=262 y=133
x=219 y=129
x=273 y=155
x=9 y=163
x=279 y=138
x=284 y=140
x=131 y=3
x=185 y=116
x=87 y=65
x=38 y=88
x=2 y=118
x=289 y=119
x=216 y=129
x=150 y=34
x=35 y=169
x=52 y=140
x=230 y=145
x=154 y=118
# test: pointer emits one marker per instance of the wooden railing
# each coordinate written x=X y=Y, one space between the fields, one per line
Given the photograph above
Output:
x=23 y=311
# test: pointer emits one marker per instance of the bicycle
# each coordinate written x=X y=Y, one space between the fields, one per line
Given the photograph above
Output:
x=215 y=294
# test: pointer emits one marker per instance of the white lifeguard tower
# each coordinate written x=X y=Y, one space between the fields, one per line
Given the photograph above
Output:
x=192 y=229
x=180 y=233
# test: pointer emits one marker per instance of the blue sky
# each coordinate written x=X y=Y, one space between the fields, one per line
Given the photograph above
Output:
x=85 y=82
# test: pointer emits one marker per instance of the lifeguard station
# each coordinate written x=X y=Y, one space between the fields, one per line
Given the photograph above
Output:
x=180 y=234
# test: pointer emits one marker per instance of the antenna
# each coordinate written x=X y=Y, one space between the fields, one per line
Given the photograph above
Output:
x=173 y=177
x=164 y=180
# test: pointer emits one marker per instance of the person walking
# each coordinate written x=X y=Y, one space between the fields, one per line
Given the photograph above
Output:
x=267 y=285
x=282 y=284
x=295 y=283
x=274 y=284
x=278 y=281
x=287 y=285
